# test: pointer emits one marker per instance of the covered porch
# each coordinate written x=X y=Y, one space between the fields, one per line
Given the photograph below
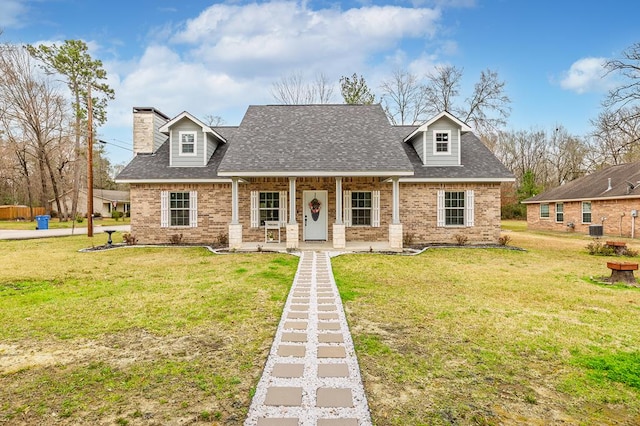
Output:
x=357 y=213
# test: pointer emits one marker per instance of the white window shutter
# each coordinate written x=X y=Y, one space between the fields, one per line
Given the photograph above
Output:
x=375 y=209
x=193 y=209
x=255 y=213
x=164 y=209
x=283 y=208
x=440 y=213
x=347 y=208
x=469 y=208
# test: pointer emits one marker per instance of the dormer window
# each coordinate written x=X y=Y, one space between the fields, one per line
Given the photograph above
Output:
x=442 y=142
x=187 y=143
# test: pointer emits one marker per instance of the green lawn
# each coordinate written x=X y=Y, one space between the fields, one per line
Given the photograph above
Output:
x=493 y=336
x=173 y=335
x=176 y=335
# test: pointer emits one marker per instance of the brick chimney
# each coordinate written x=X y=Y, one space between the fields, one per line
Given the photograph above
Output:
x=146 y=136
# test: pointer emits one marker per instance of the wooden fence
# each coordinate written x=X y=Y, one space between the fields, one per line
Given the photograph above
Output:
x=19 y=212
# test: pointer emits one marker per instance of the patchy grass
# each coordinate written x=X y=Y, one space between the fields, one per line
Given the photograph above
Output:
x=492 y=336
x=135 y=335
x=57 y=224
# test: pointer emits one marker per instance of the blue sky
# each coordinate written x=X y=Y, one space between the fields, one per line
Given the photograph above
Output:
x=216 y=58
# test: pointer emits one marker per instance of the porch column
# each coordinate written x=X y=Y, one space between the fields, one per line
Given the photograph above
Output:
x=235 y=227
x=339 y=237
x=396 y=201
x=292 y=226
x=395 y=227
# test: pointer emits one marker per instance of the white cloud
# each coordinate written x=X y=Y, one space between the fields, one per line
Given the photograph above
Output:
x=10 y=13
x=585 y=75
x=229 y=56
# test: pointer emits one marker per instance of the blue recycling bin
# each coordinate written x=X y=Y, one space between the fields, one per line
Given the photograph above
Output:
x=42 y=221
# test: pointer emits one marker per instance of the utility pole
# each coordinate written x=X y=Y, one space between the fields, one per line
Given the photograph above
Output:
x=89 y=164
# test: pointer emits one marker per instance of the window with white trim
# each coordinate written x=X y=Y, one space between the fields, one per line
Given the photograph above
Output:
x=586 y=212
x=544 y=211
x=442 y=142
x=456 y=208
x=559 y=212
x=361 y=208
x=179 y=208
x=187 y=143
x=269 y=206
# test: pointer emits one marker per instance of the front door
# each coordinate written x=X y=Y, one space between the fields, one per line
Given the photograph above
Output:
x=315 y=215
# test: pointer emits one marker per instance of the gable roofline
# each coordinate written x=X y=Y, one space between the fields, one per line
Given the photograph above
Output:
x=423 y=127
x=184 y=114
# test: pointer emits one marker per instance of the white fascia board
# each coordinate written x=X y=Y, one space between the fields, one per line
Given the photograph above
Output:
x=173 y=180
x=306 y=173
x=424 y=127
x=571 y=200
x=456 y=180
x=206 y=129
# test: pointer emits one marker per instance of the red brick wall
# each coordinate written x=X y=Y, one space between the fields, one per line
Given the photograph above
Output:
x=617 y=214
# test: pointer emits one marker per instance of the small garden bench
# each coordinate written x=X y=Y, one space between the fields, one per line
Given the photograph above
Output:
x=623 y=272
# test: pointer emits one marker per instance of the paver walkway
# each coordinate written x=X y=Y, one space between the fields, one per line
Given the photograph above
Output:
x=311 y=376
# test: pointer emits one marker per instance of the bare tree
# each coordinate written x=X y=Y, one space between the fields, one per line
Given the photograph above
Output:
x=615 y=136
x=442 y=87
x=213 y=120
x=32 y=114
x=404 y=98
x=487 y=109
x=294 y=90
x=628 y=92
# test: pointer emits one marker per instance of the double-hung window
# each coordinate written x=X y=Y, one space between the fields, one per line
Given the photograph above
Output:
x=456 y=208
x=586 y=212
x=269 y=206
x=187 y=143
x=179 y=208
x=544 y=211
x=361 y=208
x=441 y=140
x=559 y=212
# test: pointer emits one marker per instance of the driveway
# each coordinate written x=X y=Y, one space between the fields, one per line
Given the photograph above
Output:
x=43 y=233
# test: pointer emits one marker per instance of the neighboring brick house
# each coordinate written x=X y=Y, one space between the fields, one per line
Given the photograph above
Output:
x=334 y=173
x=609 y=197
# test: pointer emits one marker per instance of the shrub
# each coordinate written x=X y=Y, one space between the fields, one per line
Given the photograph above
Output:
x=596 y=248
x=223 y=239
x=79 y=219
x=175 y=239
x=504 y=240
x=407 y=238
x=461 y=239
x=629 y=252
x=116 y=215
x=129 y=239
x=97 y=215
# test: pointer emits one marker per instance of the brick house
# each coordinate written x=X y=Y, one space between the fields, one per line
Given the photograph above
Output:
x=609 y=197
x=334 y=173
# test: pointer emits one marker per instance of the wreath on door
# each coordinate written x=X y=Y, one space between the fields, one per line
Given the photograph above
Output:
x=314 y=206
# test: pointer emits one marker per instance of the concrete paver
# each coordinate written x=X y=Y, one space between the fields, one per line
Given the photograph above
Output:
x=312 y=376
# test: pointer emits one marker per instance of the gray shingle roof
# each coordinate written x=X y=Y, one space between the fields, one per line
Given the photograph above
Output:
x=595 y=186
x=315 y=139
x=156 y=166
x=478 y=162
